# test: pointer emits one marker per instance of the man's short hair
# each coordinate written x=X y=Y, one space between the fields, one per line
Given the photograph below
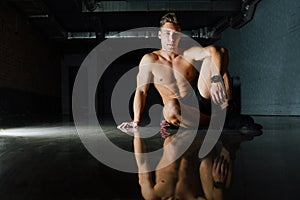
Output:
x=171 y=18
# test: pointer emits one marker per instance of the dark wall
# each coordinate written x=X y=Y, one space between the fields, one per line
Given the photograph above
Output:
x=265 y=55
x=29 y=68
x=112 y=75
x=107 y=83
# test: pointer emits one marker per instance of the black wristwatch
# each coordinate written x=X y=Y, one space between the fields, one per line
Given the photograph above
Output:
x=216 y=79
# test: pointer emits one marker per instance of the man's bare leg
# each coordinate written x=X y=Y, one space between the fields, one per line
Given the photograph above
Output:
x=184 y=115
x=216 y=64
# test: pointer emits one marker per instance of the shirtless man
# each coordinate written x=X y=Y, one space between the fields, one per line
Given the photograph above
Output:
x=174 y=71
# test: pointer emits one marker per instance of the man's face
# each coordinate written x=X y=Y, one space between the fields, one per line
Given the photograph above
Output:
x=169 y=35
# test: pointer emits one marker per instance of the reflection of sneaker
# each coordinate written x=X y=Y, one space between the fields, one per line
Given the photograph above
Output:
x=167 y=129
x=242 y=123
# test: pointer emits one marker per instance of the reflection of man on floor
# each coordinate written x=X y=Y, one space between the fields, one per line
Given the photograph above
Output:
x=173 y=71
x=186 y=177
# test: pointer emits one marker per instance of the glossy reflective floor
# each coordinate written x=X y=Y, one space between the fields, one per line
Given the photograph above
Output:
x=49 y=161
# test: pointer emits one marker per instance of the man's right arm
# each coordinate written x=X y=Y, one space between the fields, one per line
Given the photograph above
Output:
x=143 y=81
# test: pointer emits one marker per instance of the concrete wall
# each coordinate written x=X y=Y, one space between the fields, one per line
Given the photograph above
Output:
x=265 y=55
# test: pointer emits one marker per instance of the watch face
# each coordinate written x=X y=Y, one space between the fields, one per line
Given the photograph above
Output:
x=216 y=79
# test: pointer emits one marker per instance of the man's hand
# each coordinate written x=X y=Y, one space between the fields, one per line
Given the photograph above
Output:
x=217 y=93
x=133 y=131
x=128 y=125
x=220 y=169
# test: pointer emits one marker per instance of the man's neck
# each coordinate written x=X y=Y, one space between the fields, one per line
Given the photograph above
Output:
x=169 y=52
x=169 y=55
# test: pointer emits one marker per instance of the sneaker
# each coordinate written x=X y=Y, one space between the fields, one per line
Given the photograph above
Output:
x=167 y=129
x=242 y=123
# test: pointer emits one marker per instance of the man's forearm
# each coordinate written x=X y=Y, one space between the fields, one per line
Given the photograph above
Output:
x=139 y=150
x=138 y=105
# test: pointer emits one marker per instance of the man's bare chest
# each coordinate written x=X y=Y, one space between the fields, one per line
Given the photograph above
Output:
x=176 y=71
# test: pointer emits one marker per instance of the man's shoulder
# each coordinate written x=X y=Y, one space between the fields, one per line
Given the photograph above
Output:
x=153 y=55
x=150 y=57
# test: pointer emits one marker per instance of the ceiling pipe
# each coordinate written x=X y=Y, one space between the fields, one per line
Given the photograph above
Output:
x=246 y=14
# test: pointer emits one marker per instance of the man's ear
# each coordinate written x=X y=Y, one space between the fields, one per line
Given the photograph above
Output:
x=159 y=34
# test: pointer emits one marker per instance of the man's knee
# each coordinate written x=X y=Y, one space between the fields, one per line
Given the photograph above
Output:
x=217 y=50
x=222 y=53
x=172 y=107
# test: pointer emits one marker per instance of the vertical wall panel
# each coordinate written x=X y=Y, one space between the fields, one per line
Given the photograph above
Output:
x=265 y=55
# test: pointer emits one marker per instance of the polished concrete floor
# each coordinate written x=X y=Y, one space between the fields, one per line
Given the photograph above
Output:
x=49 y=161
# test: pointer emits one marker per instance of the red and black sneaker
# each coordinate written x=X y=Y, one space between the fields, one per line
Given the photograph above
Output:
x=167 y=129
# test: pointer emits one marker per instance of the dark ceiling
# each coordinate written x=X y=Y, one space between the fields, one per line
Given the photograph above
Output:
x=66 y=20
